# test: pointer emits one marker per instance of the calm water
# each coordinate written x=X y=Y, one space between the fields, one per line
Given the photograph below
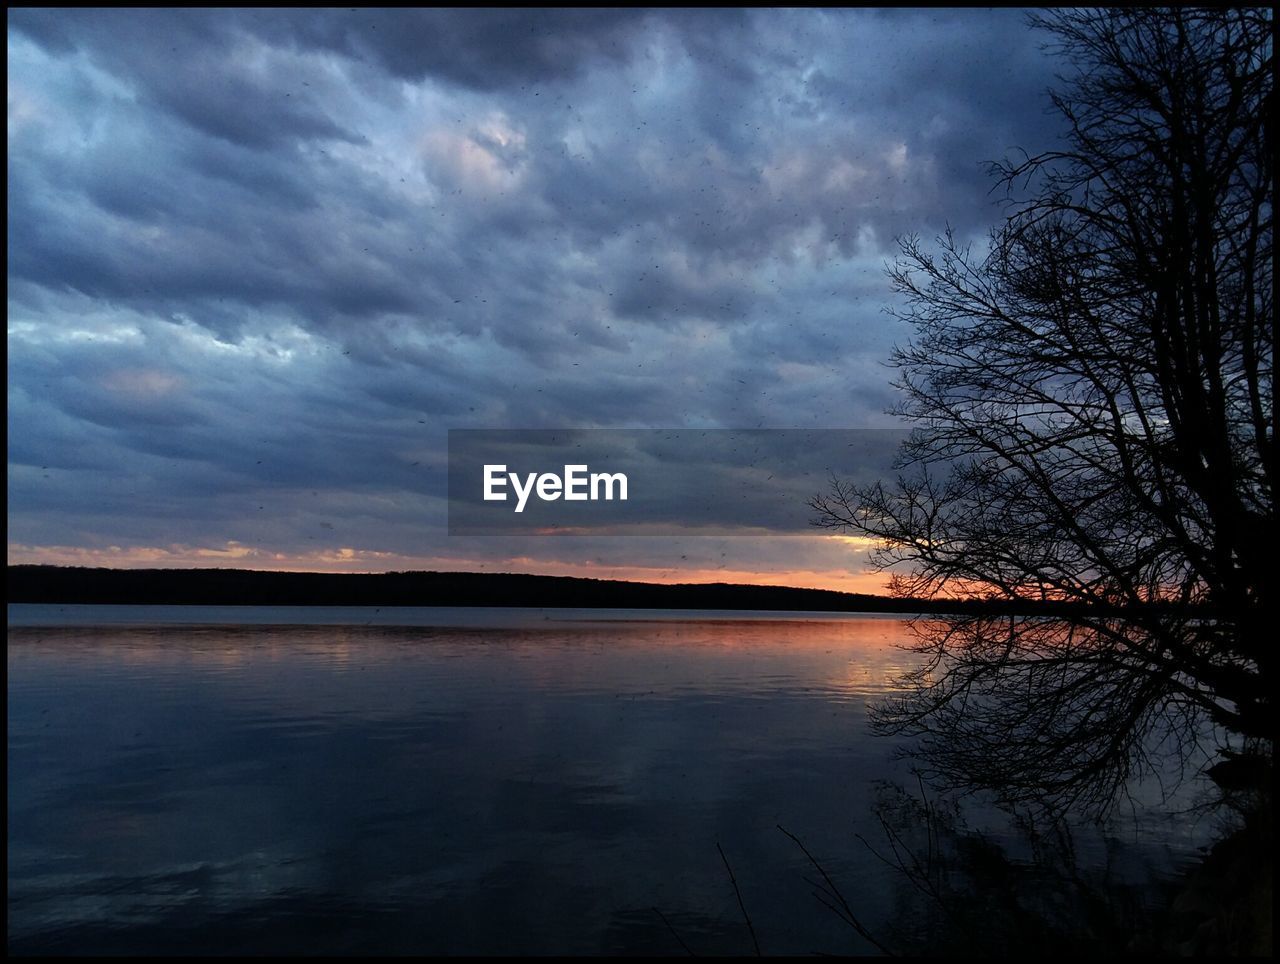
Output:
x=219 y=779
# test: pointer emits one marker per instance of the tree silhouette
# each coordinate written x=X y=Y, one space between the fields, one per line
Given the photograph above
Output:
x=1094 y=423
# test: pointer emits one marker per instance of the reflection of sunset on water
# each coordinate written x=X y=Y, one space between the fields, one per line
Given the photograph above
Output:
x=193 y=771
x=553 y=648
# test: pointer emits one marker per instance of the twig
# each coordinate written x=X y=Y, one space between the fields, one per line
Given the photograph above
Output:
x=921 y=878
x=743 y=907
x=674 y=934
x=844 y=911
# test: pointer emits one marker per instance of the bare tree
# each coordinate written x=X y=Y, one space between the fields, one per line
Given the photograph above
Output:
x=1094 y=414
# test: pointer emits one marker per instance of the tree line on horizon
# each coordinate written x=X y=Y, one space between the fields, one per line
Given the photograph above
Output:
x=73 y=585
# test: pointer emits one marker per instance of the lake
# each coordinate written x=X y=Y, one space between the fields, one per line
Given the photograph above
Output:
x=324 y=780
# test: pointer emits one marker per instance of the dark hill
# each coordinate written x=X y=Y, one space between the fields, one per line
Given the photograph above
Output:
x=242 y=587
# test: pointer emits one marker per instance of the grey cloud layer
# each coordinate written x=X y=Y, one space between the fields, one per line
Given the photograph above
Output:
x=259 y=254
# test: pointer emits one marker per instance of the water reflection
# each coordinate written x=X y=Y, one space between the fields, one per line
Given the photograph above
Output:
x=538 y=785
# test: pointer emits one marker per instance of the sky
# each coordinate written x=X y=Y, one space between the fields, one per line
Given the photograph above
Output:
x=261 y=261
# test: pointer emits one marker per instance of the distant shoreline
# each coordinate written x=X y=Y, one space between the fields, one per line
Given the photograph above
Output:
x=245 y=587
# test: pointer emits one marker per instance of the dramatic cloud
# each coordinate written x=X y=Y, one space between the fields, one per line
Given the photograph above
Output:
x=261 y=260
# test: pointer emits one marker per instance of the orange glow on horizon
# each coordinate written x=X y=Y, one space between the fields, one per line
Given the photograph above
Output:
x=346 y=559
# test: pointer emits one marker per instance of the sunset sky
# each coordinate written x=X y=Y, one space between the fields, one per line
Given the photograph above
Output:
x=261 y=261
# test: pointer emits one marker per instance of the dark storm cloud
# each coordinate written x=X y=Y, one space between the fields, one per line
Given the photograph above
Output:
x=197 y=64
x=484 y=49
x=260 y=254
